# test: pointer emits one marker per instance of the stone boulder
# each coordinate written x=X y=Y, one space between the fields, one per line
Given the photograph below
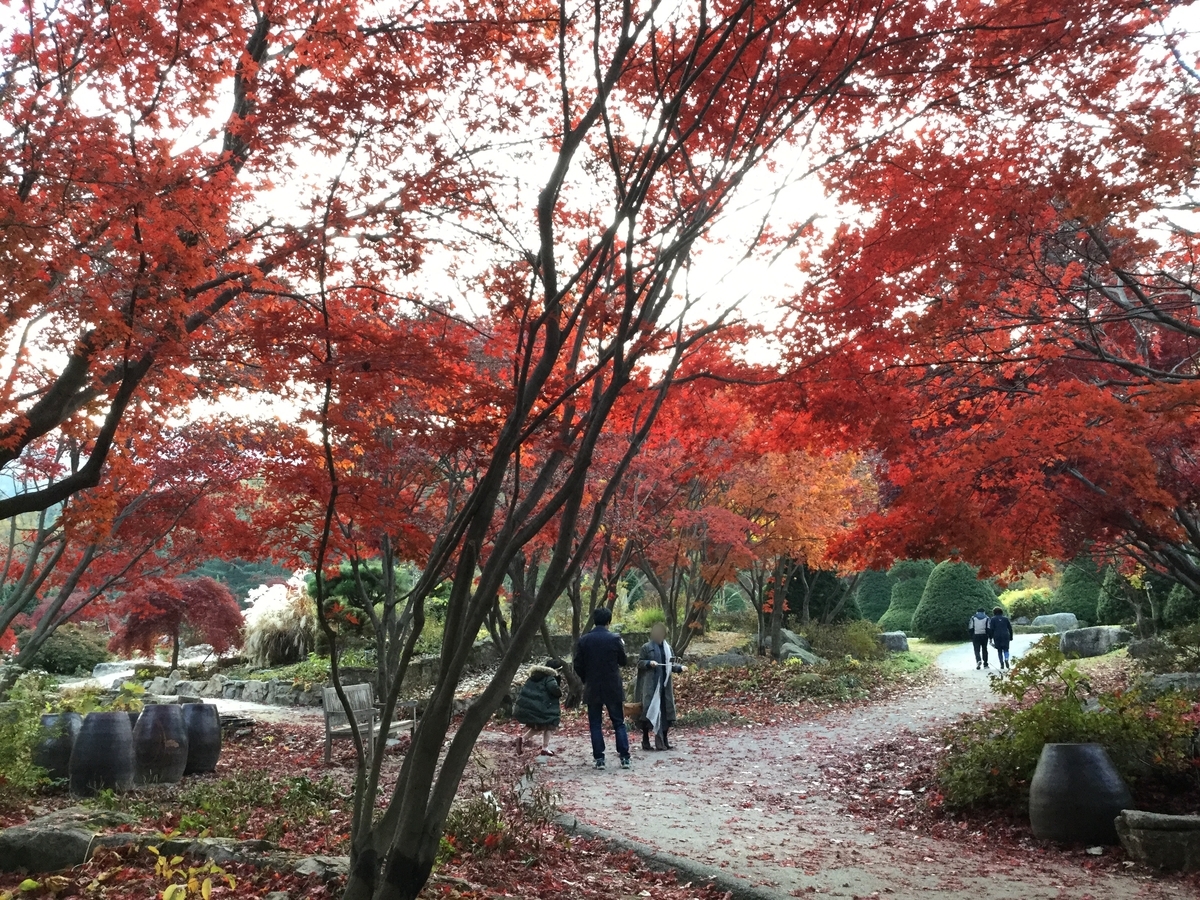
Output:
x=190 y=689
x=1170 y=843
x=1095 y=641
x=327 y=868
x=807 y=657
x=1059 y=621
x=61 y=840
x=731 y=660
x=255 y=692
x=214 y=687
x=1021 y=620
x=790 y=637
x=894 y=641
x=233 y=690
x=1173 y=681
x=173 y=680
x=159 y=685
x=1146 y=647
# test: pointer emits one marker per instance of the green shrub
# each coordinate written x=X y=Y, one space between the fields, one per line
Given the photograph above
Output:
x=858 y=640
x=70 y=649
x=906 y=596
x=1177 y=650
x=874 y=594
x=20 y=721
x=1079 y=592
x=951 y=596
x=841 y=681
x=912 y=570
x=991 y=759
x=1030 y=602
x=646 y=617
x=1182 y=608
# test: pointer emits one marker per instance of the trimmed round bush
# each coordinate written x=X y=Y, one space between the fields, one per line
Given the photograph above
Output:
x=1182 y=607
x=874 y=594
x=951 y=596
x=1079 y=592
x=918 y=569
x=71 y=649
x=906 y=596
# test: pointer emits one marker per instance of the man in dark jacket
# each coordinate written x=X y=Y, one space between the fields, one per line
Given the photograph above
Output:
x=598 y=661
x=1001 y=632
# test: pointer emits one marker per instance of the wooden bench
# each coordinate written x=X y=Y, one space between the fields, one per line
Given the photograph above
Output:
x=362 y=703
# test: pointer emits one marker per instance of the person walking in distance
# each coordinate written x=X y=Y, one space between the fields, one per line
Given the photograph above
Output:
x=598 y=661
x=977 y=625
x=1001 y=631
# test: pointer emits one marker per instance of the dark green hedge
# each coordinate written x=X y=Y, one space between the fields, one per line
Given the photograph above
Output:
x=952 y=595
x=1080 y=590
x=906 y=595
x=1182 y=607
x=874 y=594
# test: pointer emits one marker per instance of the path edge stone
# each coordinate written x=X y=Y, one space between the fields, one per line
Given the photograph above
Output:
x=661 y=861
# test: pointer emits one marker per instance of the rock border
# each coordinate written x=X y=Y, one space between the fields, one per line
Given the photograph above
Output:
x=661 y=861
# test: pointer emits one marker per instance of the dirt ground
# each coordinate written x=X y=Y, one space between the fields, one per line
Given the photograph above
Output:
x=755 y=802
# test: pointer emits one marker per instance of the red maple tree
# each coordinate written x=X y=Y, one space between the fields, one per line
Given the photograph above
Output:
x=200 y=608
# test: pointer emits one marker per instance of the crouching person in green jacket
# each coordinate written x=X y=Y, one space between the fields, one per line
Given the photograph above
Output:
x=537 y=705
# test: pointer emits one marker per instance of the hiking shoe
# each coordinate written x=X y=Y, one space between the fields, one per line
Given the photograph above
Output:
x=986 y=666
x=626 y=762
x=600 y=763
x=978 y=666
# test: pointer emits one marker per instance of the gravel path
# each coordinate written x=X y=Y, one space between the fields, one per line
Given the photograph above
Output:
x=754 y=802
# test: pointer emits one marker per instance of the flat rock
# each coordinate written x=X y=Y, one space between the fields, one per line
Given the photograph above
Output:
x=895 y=641
x=60 y=840
x=1060 y=621
x=1095 y=641
x=1174 y=681
x=325 y=867
x=791 y=651
x=1171 y=843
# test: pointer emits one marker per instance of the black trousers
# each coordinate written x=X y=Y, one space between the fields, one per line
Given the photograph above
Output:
x=981 y=653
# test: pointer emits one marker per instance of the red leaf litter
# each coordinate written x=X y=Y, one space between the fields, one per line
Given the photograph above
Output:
x=539 y=862
x=891 y=795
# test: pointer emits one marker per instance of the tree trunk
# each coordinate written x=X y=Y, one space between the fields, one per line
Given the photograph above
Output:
x=175 y=651
x=778 y=601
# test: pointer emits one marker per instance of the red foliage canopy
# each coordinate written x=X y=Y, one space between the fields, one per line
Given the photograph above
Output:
x=165 y=607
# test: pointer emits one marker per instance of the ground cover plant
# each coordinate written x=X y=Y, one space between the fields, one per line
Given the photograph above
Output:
x=970 y=782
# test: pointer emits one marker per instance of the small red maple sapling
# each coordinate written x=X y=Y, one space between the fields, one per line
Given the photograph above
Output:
x=165 y=607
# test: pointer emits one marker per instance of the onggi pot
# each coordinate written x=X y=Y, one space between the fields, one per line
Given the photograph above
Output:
x=1075 y=795
x=160 y=745
x=102 y=757
x=203 y=735
x=55 y=742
